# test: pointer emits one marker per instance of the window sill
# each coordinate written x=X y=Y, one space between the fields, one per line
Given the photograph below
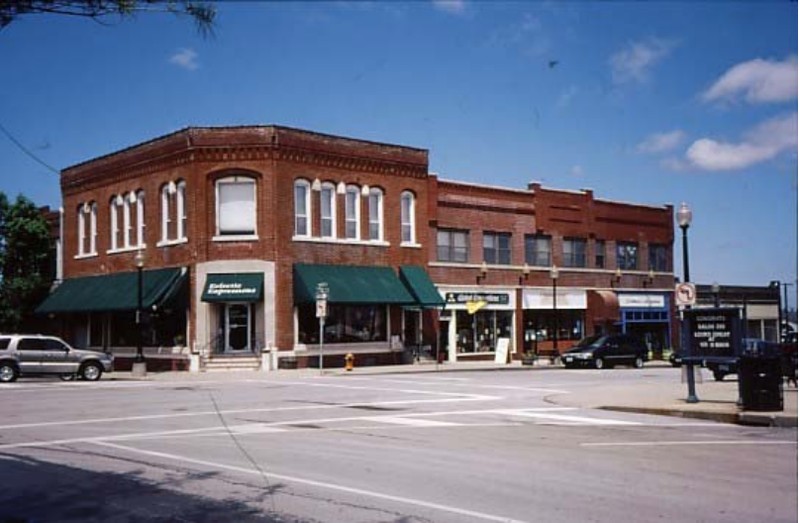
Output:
x=169 y=243
x=132 y=248
x=410 y=245
x=341 y=241
x=84 y=256
x=236 y=238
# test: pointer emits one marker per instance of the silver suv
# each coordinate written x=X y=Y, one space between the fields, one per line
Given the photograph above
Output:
x=37 y=354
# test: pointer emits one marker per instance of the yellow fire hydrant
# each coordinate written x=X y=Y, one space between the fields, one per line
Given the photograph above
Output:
x=349 y=359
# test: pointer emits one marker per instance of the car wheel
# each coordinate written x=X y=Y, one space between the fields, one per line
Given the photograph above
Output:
x=91 y=371
x=67 y=376
x=638 y=362
x=599 y=363
x=719 y=376
x=8 y=373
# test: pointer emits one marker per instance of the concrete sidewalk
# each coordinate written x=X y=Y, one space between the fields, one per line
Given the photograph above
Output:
x=718 y=400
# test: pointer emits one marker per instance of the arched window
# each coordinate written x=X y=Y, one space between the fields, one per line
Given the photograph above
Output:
x=327 y=215
x=165 y=211
x=352 y=212
x=115 y=210
x=236 y=207
x=173 y=212
x=375 y=214
x=180 y=201
x=407 y=218
x=139 y=218
x=93 y=228
x=302 y=208
x=82 y=224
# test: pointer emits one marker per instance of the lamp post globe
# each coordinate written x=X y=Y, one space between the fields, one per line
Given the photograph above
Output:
x=684 y=219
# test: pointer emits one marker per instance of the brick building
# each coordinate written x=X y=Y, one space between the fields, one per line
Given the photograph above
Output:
x=237 y=226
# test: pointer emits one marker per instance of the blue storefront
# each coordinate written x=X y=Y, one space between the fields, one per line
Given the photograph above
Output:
x=647 y=315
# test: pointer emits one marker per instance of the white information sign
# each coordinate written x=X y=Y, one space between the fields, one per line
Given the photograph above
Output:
x=501 y=351
x=685 y=294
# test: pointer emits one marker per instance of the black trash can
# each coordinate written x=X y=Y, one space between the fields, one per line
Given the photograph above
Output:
x=761 y=383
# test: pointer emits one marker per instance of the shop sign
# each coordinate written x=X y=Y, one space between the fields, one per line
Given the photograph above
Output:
x=543 y=299
x=462 y=298
x=231 y=290
x=645 y=301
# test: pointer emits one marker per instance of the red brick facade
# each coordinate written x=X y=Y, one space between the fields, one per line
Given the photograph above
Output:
x=276 y=157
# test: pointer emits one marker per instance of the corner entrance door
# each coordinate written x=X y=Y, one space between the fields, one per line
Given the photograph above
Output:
x=237 y=333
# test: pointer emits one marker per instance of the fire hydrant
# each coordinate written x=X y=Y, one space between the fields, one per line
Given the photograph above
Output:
x=349 y=359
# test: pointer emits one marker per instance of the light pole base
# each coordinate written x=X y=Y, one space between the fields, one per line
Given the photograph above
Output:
x=139 y=369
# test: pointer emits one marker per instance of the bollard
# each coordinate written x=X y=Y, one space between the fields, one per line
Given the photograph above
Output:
x=349 y=359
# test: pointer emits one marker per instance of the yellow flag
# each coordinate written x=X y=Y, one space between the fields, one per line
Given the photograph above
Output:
x=475 y=306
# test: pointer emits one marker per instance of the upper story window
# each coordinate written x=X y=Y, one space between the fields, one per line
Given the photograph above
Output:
x=327 y=207
x=600 y=254
x=87 y=229
x=302 y=207
x=407 y=218
x=627 y=255
x=375 y=214
x=657 y=257
x=574 y=252
x=115 y=216
x=537 y=250
x=497 y=248
x=452 y=245
x=236 y=207
x=173 y=212
x=352 y=213
x=138 y=201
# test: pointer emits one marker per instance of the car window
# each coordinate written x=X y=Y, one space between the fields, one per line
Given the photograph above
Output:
x=30 y=344
x=54 y=345
x=4 y=343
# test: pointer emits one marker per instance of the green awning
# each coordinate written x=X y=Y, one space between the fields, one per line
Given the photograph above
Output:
x=421 y=286
x=113 y=292
x=350 y=284
x=239 y=286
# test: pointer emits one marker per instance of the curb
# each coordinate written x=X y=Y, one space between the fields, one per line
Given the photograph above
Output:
x=735 y=418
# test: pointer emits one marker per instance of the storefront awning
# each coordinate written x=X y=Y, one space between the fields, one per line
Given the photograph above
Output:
x=240 y=286
x=421 y=287
x=113 y=292
x=603 y=306
x=350 y=284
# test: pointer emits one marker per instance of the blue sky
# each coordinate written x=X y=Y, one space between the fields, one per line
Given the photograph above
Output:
x=646 y=102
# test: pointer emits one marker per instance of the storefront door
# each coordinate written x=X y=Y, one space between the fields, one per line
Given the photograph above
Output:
x=237 y=331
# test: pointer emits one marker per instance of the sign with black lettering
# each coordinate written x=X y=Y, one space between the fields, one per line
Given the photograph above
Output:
x=489 y=297
x=713 y=333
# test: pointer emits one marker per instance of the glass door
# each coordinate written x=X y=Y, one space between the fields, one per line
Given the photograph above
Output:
x=237 y=321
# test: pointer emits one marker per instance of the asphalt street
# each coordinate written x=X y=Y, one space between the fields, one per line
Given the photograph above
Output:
x=471 y=446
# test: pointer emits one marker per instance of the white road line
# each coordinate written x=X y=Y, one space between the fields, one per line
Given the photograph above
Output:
x=583 y=420
x=420 y=423
x=461 y=398
x=684 y=443
x=319 y=484
x=471 y=385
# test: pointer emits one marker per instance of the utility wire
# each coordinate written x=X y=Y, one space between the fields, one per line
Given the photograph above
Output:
x=27 y=151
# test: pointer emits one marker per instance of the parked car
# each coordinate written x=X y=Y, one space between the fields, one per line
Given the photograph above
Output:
x=606 y=350
x=34 y=354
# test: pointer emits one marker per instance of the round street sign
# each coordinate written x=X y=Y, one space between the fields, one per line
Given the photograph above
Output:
x=685 y=294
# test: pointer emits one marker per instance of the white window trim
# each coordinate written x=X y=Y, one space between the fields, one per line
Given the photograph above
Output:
x=356 y=190
x=127 y=227
x=113 y=208
x=140 y=222
x=343 y=241
x=132 y=248
x=180 y=211
x=81 y=230
x=165 y=214
x=236 y=178
x=380 y=221
x=412 y=216
x=307 y=216
x=328 y=186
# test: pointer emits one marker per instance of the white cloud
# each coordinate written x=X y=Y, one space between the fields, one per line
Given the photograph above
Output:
x=566 y=97
x=764 y=142
x=576 y=171
x=757 y=81
x=634 y=63
x=185 y=58
x=455 y=7
x=661 y=142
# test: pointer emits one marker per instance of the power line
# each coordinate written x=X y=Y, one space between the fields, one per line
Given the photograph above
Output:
x=27 y=151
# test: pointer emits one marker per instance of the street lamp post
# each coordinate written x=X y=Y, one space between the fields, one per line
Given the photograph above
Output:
x=554 y=276
x=684 y=219
x=715 y=292
x=322 y=313
x=139 y=363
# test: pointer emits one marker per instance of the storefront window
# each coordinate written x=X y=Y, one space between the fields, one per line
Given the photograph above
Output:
x=539 y=325
x=344 y=324
x=479 y=332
